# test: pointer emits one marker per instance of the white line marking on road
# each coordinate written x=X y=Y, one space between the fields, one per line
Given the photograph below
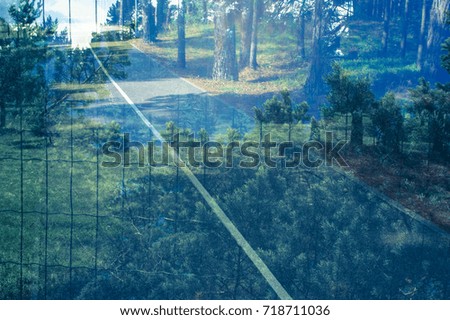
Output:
x=174 y=74
x=228 y=224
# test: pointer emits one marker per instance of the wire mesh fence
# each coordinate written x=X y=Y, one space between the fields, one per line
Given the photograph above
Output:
x=69 y=223
x=73 y=228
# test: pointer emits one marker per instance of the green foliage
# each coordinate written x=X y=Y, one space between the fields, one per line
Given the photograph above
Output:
x=328 y=236
x=171 y=128
x=433 y=108
x=233 y=135
x=388 y=121
x=51 y=31
x=113 y=14
x=350 y=95
x=74 y=65
x=26 y=12
x=203 y=135
x=282 y=111
x=277 y=110
x=22 y=77
x=114 y=57
x=315 y=130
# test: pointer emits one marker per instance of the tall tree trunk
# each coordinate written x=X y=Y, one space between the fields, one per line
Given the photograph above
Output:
x=149 y=23
x=96 y=16
x=380 y=8
x=136 y=15
x=437 y=33
x=374 y=9
x=246 y=34
x=314 y=83
x=205 y=11
x=254 y=42
x=301 y=32
x=386 y=27
x=422 y=44
x=70 y=22
x=225 y=62
x=43 y=14
x=405 y=26
x=169 y=13
x=160 y=14
x=182 y=35
x=121 y=13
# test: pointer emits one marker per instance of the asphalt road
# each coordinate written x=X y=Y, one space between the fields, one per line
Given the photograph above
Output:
x=163 y=96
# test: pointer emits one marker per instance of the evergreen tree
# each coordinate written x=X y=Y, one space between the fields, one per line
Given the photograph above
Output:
x=22 y=77
x=283 y=111
x=114 y=14
x=315 y=130
x=388 y=121
x=26 y=13
x=349 y=95
x=433 y=107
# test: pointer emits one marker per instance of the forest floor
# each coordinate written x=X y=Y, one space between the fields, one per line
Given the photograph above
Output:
x=422 y=186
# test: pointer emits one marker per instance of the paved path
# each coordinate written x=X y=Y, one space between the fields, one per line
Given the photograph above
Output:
x=163 y=96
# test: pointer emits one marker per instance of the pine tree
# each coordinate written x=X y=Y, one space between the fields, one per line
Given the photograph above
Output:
x=315 y=130
x=433 y=106
x=350 y=95
x=22 y=76
x=388 y=121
